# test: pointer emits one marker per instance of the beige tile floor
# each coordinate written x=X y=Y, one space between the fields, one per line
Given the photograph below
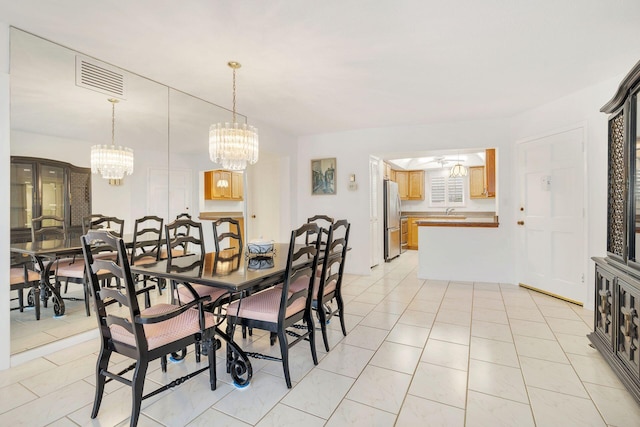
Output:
x=418 y=353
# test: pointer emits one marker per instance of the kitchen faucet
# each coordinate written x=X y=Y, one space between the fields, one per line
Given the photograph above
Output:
x=448 y=211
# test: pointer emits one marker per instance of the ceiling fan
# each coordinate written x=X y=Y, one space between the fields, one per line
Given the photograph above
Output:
x=441 y=160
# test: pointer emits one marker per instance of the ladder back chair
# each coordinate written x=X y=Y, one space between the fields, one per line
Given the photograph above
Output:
x=147 y=244
x=324 y=222
x=328 y=285
x=232 y=239
x=278 y=309
x=48 y=227
x=183 y=235
x=141 y=335
x=21 y=277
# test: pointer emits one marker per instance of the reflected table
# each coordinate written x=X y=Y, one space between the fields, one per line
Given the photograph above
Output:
x=45 y=253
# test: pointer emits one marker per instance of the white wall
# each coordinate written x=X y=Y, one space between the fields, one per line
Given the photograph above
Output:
x=580 y=108
x=5 y=157
x=352 y=150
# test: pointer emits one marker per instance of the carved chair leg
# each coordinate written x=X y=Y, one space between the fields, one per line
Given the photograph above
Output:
x=137 y=387
x=284 y=351
x=102 y=364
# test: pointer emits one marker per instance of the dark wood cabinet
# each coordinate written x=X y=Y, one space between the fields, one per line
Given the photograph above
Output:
x=47 y=187
x=617 y=289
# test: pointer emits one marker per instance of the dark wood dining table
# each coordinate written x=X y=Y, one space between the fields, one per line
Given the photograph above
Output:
x=238 y=273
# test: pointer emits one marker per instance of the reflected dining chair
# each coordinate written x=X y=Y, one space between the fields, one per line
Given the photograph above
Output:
x=140 y=335
x=48 y=227
x=185 y=237
x=146 y=245
x=232 y=238
x=279 y=310
x=328 y=285
x=22 y=278
x=97 y=222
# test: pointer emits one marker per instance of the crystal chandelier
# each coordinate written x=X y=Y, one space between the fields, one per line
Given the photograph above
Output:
x=233 y=144
x=111 y=161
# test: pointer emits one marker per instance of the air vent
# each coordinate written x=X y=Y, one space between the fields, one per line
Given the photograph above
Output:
x=94 y=75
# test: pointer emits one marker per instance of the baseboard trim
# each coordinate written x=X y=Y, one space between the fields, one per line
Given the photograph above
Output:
x=551 y=294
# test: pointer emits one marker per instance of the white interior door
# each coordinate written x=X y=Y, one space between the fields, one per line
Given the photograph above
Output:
x=180 y=191
x=264 y=199
x=177 y=185
x=551 y=214
x=375 y=236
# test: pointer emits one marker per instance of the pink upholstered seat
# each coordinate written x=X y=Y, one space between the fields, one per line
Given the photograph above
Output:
x=17 y=276
x=264 y=306
x=163 y=333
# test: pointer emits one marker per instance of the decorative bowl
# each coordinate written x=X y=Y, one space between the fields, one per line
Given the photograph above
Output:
x=260 y=247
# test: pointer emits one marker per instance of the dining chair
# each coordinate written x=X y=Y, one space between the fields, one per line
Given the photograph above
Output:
x=141 y=335
x=277 y=309
x=146 y=246
x=185 y=238
x=48 y=227
x=232 y=238
x=69 y=269
x=324 y=222
x=183 y=230
x=113 y=224
x=22 y=278
x=328 y=285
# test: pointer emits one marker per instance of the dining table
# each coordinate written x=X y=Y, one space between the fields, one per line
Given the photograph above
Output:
x=234 y=271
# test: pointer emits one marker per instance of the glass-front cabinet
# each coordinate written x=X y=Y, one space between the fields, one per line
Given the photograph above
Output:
x=616 y=327
x=47 y=187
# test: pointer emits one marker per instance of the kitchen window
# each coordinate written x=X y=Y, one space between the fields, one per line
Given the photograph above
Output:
x=445 y=191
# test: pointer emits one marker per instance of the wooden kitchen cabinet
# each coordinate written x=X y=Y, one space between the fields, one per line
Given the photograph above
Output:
x=223 y=185
x=237 y=185
x=477 y=182
x=402 y=179
x=490 y=171
x=410 y=184
x=482 y=179
x=416 y=185
x=412 y=242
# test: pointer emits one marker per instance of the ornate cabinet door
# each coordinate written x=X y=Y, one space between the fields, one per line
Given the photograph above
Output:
x=628 y=302
x=604 y=306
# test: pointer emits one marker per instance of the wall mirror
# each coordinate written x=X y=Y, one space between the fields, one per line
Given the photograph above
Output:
x=54 y=118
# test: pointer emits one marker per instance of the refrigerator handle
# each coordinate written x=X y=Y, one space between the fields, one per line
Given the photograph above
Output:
x=399 y=204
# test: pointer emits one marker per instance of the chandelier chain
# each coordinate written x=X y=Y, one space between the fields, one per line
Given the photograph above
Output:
x=234 y=95
x=113 y=123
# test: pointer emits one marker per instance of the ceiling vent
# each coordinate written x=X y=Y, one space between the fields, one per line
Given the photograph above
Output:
x=103 y=78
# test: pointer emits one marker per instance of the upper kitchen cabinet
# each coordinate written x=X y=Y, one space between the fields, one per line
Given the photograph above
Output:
x=482 y=179
x=223 y=185
x=410 y=184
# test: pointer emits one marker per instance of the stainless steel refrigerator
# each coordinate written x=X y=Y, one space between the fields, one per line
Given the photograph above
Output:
x=391 y=220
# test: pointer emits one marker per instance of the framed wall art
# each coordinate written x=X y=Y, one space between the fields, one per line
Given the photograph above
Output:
x=323 y=176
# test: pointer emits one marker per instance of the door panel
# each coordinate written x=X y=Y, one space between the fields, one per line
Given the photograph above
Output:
x=551 y=176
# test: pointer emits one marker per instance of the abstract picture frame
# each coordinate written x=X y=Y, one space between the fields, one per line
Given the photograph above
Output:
x=323 y=176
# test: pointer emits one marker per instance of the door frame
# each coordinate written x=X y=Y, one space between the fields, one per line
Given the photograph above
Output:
x=518 y=235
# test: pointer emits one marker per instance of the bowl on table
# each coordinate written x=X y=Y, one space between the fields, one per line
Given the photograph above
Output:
x=260 y=247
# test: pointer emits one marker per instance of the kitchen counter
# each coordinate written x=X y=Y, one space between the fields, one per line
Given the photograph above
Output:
x=458 y=221
x=213 y=216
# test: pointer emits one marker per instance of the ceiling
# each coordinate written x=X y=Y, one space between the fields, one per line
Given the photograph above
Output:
x=318 y=67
